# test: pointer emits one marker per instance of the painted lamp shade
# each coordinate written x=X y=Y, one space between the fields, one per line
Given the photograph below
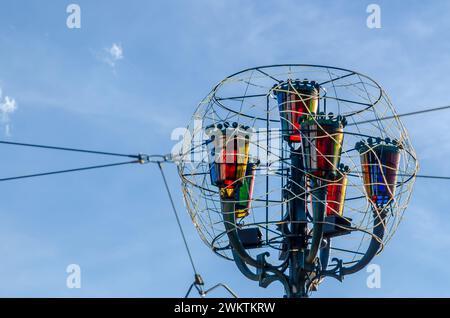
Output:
x=244 y=192
x=322 y=139
x=336 y=196
x=380 y=163
x=295 y=99
x=229 y=157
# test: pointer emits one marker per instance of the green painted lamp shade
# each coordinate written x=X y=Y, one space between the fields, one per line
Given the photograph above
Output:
x=244 y=192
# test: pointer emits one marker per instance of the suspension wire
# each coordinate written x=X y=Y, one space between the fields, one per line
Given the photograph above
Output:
x=147 y=157
x=203 y=293
x=225 y=286
x=68 y=170
x=428 y=110
x=164 y=158
x=177 y=218
x=67 y=149
x=138 y=156
x=422 y=176
x=432 y=177
x=198 y=280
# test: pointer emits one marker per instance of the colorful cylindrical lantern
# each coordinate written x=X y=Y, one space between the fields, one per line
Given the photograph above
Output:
x=230 y=169
x=336 y=191
x=322 y=139
x=380 y=162
x=229 y=154
x=295 y=99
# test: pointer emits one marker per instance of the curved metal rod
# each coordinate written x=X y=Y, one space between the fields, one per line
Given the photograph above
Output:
x=335 y=272
x=351 y=73
x=265 y=280
x=229 y=220
x=243 y=268
x=319 y=197
x=223 y=286
x=284 y=228
x=374 y=246
x=242 y=258
x=325 y=255
x=269 y=279
x=239 y=250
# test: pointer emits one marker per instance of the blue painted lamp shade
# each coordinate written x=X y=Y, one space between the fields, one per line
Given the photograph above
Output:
x=380 y=163
x=295 y=99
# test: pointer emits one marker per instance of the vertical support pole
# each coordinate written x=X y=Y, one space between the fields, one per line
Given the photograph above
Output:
x=298 y=220
x=319 y=194
x=267 y=167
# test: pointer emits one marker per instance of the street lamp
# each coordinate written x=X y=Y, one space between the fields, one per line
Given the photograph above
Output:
x=306 y=182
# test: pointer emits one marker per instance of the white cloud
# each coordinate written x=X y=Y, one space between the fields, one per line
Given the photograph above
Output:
x=116 y=51
x=8 y=106
x=113 y=54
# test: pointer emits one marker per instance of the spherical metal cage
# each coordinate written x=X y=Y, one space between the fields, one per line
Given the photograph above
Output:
x=248 y=98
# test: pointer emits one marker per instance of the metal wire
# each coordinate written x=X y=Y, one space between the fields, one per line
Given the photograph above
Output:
x=204 y=293
x=198 y=282
x=68 y=170
x=428 y=110
x=177 y=218
x=432 y=177
x=68 y=149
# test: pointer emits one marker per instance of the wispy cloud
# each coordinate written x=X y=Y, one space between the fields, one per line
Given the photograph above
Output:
x=113 y=54
x=8 y=106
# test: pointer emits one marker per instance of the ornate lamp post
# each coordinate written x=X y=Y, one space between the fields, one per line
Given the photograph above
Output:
x=295 y=183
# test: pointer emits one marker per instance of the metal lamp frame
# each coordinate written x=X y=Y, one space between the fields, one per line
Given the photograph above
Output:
x=306 y=257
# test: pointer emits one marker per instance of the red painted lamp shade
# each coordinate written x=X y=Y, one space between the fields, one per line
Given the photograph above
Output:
x=380 y=162
x=230 y=169
x=336 y=196
x=295 y=99
x=322 y=139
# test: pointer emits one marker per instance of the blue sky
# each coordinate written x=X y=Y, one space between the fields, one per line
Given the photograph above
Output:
x=116 y=223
